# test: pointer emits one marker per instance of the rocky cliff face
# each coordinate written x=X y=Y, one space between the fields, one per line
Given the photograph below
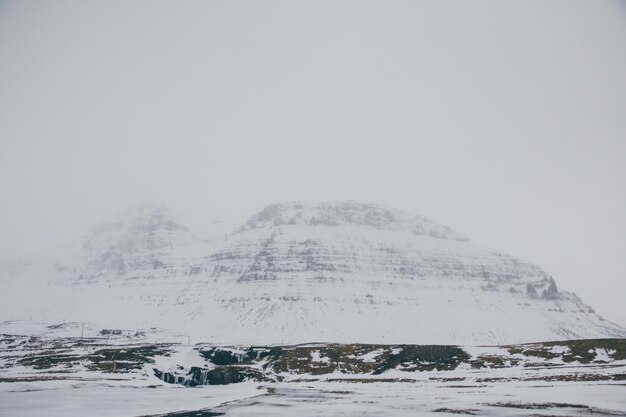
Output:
x=342 y=272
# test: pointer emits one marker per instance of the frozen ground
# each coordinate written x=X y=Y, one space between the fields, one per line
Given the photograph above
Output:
x=121 y=377
x=411 y=399
x=98 y=399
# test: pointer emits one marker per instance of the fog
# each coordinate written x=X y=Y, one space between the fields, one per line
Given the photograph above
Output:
x=503 y=120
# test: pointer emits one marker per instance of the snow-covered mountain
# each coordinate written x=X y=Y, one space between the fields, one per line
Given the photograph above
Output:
x=340 y=272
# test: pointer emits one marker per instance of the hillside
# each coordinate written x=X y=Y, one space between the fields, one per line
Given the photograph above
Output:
x=333 y=272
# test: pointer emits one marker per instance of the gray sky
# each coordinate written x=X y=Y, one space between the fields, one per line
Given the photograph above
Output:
x=503 y=120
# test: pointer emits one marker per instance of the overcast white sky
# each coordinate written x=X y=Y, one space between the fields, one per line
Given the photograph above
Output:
x=503 y=120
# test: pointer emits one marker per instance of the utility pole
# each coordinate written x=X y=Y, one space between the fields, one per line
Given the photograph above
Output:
x=82 y=331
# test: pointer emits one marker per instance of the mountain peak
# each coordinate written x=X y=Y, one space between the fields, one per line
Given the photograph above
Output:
x=348 y=213
x=139 y=235
x=140 y=223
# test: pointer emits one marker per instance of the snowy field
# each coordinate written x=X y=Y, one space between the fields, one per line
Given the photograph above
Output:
x=100 y=399
x=131 y=376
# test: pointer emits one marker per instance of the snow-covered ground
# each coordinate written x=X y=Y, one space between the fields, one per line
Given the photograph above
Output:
x=317 y=398
x=111 y=399
x=123 y=376
x=414 y=399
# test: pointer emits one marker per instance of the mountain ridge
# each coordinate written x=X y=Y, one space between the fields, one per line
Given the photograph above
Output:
x=344 y=271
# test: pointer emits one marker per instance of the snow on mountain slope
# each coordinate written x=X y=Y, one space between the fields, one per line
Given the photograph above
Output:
x=340 y=272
